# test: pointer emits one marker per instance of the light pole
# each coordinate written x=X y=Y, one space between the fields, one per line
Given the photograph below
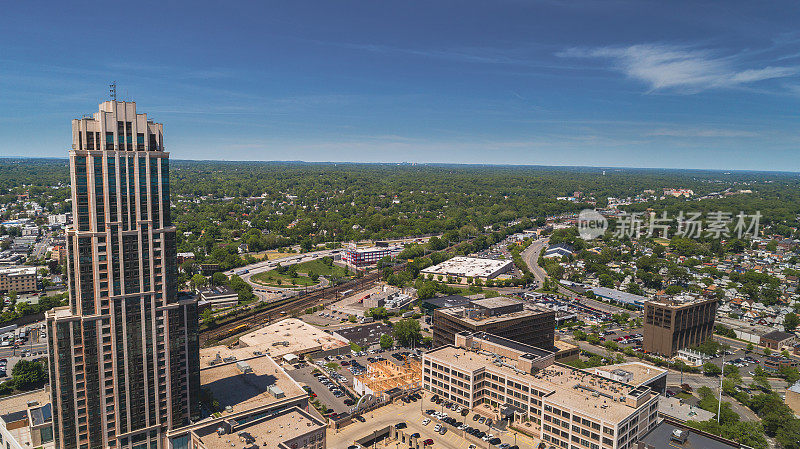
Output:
x=721 y=376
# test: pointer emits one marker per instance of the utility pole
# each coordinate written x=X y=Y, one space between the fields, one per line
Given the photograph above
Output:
x=721 y=376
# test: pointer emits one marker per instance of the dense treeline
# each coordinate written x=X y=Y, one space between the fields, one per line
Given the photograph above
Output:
x=218 y=206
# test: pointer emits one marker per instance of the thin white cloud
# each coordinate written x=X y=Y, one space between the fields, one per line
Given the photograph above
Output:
x=710 y=132
x=665 y=67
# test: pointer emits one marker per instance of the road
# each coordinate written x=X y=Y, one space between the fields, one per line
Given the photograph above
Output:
x=40 y=247
x=531 y=256
x=266 y=265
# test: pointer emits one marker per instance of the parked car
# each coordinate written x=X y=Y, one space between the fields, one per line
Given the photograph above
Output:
x=400 y=425
x=426 y=421
x=427 y=442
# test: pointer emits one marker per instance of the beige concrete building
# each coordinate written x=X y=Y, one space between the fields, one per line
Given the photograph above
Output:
x=291 y=428
x=792 y=398
x=26 y=421
x=18 y=279
x=566 y=407
x=124 y=354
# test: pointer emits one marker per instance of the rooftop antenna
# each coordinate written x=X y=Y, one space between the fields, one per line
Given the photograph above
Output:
x=112 y=90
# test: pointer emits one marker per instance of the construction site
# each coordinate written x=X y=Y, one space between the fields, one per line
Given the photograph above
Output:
x=383 y=377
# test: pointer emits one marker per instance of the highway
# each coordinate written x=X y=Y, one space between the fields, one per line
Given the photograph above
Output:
x=266 y=265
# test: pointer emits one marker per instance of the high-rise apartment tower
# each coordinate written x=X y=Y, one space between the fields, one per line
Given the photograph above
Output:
x=124 y=364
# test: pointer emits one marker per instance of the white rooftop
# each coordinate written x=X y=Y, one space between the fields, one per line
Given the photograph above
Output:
x=468 y=267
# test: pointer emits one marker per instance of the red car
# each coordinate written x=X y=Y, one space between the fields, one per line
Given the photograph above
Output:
x=427 y=442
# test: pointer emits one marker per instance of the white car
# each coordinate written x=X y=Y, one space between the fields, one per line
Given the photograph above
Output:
x=437 y=428
x=426 y=421
x=472 y=446
x=487 y=437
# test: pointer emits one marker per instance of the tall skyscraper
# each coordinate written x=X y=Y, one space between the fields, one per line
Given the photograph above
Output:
x=124 y=364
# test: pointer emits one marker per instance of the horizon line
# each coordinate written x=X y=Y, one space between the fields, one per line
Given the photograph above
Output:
x=458 y=164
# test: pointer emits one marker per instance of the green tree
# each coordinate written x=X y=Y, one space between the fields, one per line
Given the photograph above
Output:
x=377 y=313
x=407 y=331
x=207 y=317
x=791 y=321
x=219 y=278
x=709 y=369
x=28 y=375
x=198 y=281
x=386 y=341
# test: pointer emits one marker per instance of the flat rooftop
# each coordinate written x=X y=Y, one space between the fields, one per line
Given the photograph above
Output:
x=679 y=301
x=515 y=345
x=675 y=408
x=659 y=438
x=496 y=302
x=242 y=391
x=475 y=316
x=463 y=266
x=642 y=372
x=562 y=345
x=569 y=387
x=18 y=271
x=14 y=408
x=289 y=336
x=447 y=301
x=19 y=402
x=267 y=433
x=370 y=331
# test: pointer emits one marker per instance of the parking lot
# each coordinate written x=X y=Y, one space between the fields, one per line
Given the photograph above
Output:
x=349 y=365
x=334 y=402
x=349 y=370
x=413 y=415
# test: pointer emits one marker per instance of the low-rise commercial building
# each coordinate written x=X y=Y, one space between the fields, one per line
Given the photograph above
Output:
x=674 y=324
x=217 y=297
x=18 y=279
x=508 y=317
x=361 y=257
x=462 y=269
x=26 y=421
x=364 y=335
x=570 y=407
x=777 y=340
x=291 y=428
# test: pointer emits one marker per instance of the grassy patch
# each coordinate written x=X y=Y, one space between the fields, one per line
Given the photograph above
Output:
x=272 y=278
x=683 y=395
x=272 y=255
x=319 y=267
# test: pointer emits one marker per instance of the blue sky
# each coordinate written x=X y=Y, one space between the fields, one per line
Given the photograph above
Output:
x=608 y=83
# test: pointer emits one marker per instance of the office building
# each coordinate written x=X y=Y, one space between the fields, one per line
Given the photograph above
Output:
x=674 y=324
x=508 y=317
x=568 y=407
x=124 y=353
x=362 y=257
x=18 y=279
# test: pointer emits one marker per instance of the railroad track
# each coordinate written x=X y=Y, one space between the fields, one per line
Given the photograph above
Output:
x=279 y=309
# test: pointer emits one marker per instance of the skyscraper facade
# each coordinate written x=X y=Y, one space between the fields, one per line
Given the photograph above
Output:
x=124 y=364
